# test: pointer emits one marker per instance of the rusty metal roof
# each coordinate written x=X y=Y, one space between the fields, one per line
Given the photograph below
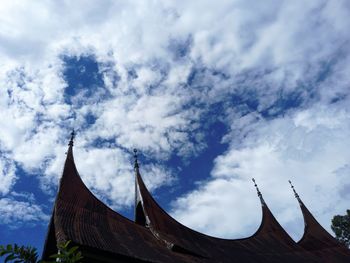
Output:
x=318 y=240
x=269 y=244
x=80 y=217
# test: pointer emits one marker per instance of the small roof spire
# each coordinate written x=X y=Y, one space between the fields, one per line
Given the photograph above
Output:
x=295 y=192
x=136 y=163
x=259 y=193
x=71 y=142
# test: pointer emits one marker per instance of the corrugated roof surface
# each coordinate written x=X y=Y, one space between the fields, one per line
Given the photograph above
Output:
x=269 y=244
x=318 y=240
x=79 y=216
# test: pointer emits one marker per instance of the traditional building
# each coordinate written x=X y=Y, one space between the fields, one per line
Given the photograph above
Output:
x=103 y=235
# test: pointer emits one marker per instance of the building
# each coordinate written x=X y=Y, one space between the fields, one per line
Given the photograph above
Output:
x=103 y=235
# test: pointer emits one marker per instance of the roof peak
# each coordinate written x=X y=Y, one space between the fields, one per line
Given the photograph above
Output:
x=71 y=141
x=136 y=163
x=259 y=193
x=295 y=192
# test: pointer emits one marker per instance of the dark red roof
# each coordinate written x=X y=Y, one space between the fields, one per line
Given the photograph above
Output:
x=269 y=244
x=317 y=240
x=80 y=217
x=156 y=237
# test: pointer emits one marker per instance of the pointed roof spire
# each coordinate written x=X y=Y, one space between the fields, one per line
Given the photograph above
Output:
x=315 y=237
x=136 y=163
x=295 y=193
x=139 y=214
x=71 y=141
x=259 y=193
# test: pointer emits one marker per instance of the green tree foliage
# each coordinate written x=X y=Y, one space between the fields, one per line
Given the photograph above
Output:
x=341 y=228
x=28 y=254
x=18 y=254
x=67 y=254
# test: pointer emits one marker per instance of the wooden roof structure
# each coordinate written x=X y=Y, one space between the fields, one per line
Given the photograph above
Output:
x=104 y=235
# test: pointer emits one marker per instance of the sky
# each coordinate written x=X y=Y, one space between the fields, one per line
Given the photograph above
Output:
x=211 y=93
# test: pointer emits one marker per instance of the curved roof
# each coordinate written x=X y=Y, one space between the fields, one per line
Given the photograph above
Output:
x=82 y=218
x=316 y=238
x=270 y=243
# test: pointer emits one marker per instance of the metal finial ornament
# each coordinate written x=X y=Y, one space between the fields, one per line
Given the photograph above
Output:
x=71 y=142
x=259 y=193
x=136 y=163
x=295 y=192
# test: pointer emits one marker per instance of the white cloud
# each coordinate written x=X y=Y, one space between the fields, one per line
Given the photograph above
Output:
x=108 y=173
x=222 y=207
x=16 y=213
x=25 y=195
x=310 y=147
x=7 y=175
x=259 y=51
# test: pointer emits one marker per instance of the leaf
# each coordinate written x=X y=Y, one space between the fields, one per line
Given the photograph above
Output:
x=10 y=257
x=73 y=249
x=55 y=256
x=341 y=228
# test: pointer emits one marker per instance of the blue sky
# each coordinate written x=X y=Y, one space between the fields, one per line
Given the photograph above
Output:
x=211 y=94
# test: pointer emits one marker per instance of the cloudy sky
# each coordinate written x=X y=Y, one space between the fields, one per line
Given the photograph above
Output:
x=212 y=93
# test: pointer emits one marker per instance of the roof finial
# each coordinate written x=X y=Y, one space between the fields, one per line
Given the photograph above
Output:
x=136 y=163
x=71 y=142
x=295 y=192
x=259 y=193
